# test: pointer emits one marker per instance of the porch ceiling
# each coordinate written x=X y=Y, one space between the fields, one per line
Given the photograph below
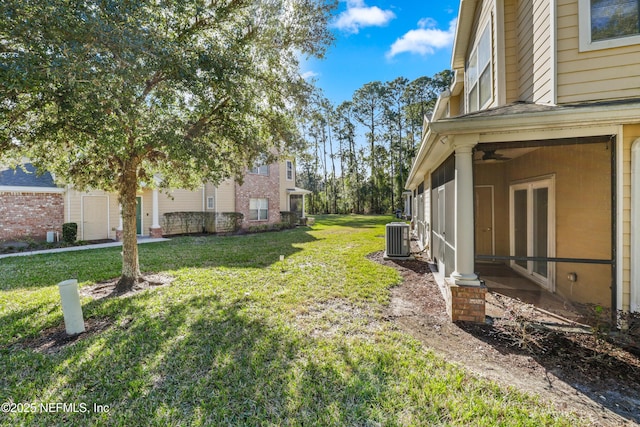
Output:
x=481 y=155
x=520 y=121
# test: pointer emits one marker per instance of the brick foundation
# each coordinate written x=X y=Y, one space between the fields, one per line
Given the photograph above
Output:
x=30 y=215
x=155 y=233
x=467 y=303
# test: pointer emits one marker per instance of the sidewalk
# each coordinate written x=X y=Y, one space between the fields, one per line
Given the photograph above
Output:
x=141 y=240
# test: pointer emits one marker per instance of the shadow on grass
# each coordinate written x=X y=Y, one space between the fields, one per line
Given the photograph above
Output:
x=248 y=251
x=196 y=361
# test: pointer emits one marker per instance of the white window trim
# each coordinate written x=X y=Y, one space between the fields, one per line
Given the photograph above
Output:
x=635 y=225
x=548 y=181
x=259 y=209
x=256 y=170
x=584 y=29
x=210 y=203
x=289 y=170
x=479 y=72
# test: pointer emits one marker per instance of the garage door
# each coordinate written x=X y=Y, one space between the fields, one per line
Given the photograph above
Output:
x=95 y=218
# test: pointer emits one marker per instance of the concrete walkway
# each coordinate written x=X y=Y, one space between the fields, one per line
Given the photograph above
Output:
x=141 y=240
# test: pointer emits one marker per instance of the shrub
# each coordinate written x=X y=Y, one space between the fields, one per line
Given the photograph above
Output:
x=258 y=228
x=199 y=222
x=229 y=221
x=69 y=232
x=289 y=218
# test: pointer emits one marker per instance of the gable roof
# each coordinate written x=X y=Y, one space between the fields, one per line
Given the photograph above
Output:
x=26 y=176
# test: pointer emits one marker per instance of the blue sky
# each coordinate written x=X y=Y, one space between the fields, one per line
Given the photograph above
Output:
x=382 y=40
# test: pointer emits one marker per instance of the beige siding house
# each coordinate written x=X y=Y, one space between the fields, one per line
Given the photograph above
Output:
x=531 y=160
x=267 y=190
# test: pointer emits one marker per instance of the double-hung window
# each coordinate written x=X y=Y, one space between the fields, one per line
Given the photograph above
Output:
x=479 y=75
x=289 y=170
x=258 y=209
x=609 y=23
x=260 y=170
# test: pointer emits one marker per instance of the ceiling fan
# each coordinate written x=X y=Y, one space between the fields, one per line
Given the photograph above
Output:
x=492 y=155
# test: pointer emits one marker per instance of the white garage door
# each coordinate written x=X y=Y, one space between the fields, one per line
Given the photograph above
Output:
x=95 y=218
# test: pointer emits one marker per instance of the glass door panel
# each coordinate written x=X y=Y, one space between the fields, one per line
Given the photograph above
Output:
x=540 y=229
x=520 y=225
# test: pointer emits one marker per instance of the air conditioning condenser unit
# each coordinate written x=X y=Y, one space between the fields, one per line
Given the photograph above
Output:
x=397 y=240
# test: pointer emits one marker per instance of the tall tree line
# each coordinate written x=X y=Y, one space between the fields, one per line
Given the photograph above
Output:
x=359 y=152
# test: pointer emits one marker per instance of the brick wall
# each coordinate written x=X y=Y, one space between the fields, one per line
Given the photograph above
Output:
x=30 y=215
x=467 y=303
x=260 y=187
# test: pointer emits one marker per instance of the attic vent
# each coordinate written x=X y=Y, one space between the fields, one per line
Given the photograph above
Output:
x=397 y=240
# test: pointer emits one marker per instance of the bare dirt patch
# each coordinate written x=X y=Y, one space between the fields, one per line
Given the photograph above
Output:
x=577 y=373
x=107 y=288
x=328 y=318
x=54 y=339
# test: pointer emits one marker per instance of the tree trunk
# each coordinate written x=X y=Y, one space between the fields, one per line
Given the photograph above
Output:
x=130 y=265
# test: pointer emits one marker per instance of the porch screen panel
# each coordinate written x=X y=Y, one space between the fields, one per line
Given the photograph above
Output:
x=449 y=226
x=520 y=225
x=443 y=214
x=438 y=225
x=421 y=220
x=540 y=228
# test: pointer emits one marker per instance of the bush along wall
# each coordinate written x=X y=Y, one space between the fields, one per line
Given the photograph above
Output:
x=201 y=222
x=69 y=232
x=290 y=218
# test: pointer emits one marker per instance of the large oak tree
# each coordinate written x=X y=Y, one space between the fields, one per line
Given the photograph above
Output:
x=110 y=94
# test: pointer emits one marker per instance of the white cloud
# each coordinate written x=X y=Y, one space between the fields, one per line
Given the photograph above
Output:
x=309 y=75
x=424 y=40
x=358 y=15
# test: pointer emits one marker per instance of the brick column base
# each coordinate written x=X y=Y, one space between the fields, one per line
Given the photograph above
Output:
x=467 y=303
x=155 y=233
x=118 y=235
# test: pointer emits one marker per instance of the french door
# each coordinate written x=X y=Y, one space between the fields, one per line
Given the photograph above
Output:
x=532 y=229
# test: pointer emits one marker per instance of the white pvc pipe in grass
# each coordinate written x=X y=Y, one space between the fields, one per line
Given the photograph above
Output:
x=71 y=308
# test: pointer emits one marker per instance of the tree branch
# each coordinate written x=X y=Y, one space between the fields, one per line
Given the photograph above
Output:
x=197 y=128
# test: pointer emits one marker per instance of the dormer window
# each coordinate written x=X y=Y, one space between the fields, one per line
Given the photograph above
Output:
x=609 y=23
x=478 y=73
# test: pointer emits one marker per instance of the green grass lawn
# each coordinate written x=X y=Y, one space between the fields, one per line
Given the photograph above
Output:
x=239 y=338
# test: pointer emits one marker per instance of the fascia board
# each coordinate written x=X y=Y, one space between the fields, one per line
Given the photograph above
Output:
x=577 y=117
x=463 y=33
x=18 y=189
x=421 y=163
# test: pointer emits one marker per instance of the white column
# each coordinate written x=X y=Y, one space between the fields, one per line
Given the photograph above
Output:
x=303 y=210
x=464 y=240
x=154 y=213
x=120 y=217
